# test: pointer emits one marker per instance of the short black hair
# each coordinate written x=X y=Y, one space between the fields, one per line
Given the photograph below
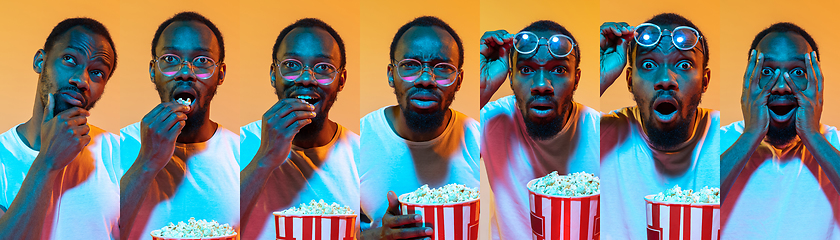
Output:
x=309 y=23
x=782 y=27
x=676 y=19
x=186 y=17
x=87 y=23
x=548 y=25
x=429 y=21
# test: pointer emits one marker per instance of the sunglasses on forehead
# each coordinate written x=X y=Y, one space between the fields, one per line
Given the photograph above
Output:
x=559 y=45
x=683 y=37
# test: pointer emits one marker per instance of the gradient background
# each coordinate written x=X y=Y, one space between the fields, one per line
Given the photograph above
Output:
x=380 y=21
x=23 y=35
x=261 y=22
x=761 y=14
x=705 y=15
x=581 y=19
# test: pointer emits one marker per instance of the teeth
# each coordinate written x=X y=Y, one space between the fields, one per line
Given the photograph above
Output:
x=304 y=97
x=183 y=101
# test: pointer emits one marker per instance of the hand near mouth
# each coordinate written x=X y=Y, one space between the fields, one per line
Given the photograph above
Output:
x=280 y=124
x=159 y=130
x=810 y=99
x=495 y=64
x=64 y=136
x=754 y=97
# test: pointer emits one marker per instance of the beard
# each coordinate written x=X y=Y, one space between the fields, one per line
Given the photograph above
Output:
x=424 y=122
x=548 y=129
x=668 y=139
x=195 y=119
x=60 y=106
x=781 y=136
x=311 y=130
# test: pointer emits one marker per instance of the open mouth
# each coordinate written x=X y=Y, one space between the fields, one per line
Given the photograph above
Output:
x=311 y=99
x=665 y=108
x=782 y=110
x=186 y=97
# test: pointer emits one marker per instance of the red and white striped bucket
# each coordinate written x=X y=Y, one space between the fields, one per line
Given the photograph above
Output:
x=315 y=227
x=451 y=221
x=556 y=217
x=682 y=221
x=233 y=237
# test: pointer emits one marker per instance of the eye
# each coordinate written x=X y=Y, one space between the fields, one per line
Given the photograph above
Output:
x=798 y=72
x=767 y=71
x=648 y=65
x=291 y=65
x=684 y=65
x=97 y=74
x=410 y=65
x=69 y=60
x=170 y=59
x=526 y=70
x=560 y=70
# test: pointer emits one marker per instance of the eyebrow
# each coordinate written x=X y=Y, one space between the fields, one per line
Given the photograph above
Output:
x=98 y=58
x=320 y=55
x=798 y=57
x=436 y=57
x=178 y=49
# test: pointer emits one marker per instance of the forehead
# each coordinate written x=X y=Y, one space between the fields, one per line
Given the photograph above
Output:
x=427 y=41
x=188 y=35
x=779 y=46
x=308 y=41
x=80 y=37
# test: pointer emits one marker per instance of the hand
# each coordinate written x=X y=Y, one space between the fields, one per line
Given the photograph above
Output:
x=159 y=130
x=495 y=64
x=754 y=97
x=280 y=124
x=393 y=224
x=64 y=136
x=615 y=39
x=810 y=99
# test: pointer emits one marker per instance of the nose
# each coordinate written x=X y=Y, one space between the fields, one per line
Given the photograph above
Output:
x=81 y=79
x=780 y=87
x=307 y=78
x=426 y=79
x=666 y=80
x=542 y=85
x=186 y=72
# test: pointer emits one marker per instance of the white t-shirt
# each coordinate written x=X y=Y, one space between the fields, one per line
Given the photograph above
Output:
x=780 y=193
x=629 y=169
x=392 y=163
x=512 y=158
x=89 y=204
x=327 y=172
x=201 y=181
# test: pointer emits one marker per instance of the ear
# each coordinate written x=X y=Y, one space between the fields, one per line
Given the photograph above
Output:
x=460 y=79
x=629 y=77
x=577 y=78
x=271 y=75
x=707 y=76
x=38 y=61
x=222 y=71
x=390 y=75
x=152 y=70
x=342 y=77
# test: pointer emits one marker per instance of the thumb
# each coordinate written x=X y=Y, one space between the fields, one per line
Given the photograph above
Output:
x=393 y=203
x=50 y=108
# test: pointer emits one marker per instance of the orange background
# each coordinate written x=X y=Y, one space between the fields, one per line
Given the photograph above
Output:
x=581 y=19
x=816 y=20
x=380 y=20
x=705 y=15
x=24 y=34
x=262 y=21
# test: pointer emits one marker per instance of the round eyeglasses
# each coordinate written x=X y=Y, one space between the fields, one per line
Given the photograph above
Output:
x=291 y=70
x=169 y=64
x=683 y=37
x=410 y=70
x=559 y=45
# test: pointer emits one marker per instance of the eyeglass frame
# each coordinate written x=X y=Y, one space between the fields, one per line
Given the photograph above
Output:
x=338 y=70
x=539 y=43
x=190 y=63
x=431 y=71
x=670 y=34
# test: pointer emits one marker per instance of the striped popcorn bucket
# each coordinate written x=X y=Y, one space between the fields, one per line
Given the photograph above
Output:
x=682 y=221
x=315 y=227
x=556 y=217
x=234 y=237
x=451 y=221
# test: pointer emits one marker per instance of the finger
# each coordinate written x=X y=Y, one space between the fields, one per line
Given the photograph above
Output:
x=405 y=233
x=177 y=127
x=292 y=106
x=750 y=67
x=401 y=220
x=757 y=70
x=77 y=120
x=274 y=108
x=172 y=119
x=393 y=203
x=815 y=75
x=81 y=130
x=84 y=140
x=768 y=86
x=73 y=112
x=152 y=115
x=297 y=125
x=50 y=108
x=175 y=107
x=789 y=82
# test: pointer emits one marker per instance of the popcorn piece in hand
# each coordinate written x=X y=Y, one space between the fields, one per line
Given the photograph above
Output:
x=572 y=185
x=451 y=193
x=193 y=229
x=185 y=102
x=319 y=208
x=677 y=195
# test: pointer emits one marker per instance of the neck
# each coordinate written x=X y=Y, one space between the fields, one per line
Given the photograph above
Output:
x=200 y=134
x=30 y=131
x=321 y=138
x=397 y=122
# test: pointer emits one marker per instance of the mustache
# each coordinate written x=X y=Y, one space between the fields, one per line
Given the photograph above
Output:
x=545 y=98
x=774 y=97
x=414 y=91
x=181 y=84
x=663 y=93
x=74 y=89
x=288 y=91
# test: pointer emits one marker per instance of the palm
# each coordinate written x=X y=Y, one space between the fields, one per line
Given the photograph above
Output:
x=613 y=59
x=493 y=72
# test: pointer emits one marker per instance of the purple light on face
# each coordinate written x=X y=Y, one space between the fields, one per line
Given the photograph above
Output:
x=204 y=75
x=444 y=82
x=172 y=73
x=410 y=78
x=291 y=78
x=324 y=80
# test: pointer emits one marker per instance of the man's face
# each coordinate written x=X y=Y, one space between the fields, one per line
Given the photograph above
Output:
x=423 y=102
x=543 y=86
x=188 y=40
x=786 y=52
x=667 y=84
x=310 y=46
x=75 y=70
